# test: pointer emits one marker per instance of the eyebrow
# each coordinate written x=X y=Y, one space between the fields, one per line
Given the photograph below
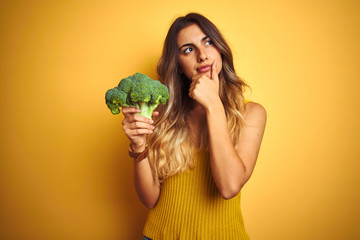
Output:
x=191 y=44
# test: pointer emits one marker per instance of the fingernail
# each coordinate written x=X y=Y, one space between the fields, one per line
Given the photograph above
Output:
x=151 y=121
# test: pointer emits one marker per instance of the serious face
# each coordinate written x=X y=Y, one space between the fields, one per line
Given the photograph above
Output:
x=197 y=52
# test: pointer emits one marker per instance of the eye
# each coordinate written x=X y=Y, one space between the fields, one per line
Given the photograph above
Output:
x=188 y=50
x=208 y=42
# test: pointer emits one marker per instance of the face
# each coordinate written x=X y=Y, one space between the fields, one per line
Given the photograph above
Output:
x=197 y=52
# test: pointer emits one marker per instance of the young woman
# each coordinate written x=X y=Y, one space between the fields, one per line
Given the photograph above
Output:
x=192 y=162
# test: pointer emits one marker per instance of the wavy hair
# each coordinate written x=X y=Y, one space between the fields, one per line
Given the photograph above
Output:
x=170 y=151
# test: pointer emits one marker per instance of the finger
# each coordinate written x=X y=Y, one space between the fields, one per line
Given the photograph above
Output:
x=136 y=120
x=192 y=94
x=127 y=111
x=140 y=125
x=138 y=132
x=191 y=90
x=155 y=114
x=193 y=83
x=131 y=116
x=214 y=73
x=132 y=128
x=139 y=118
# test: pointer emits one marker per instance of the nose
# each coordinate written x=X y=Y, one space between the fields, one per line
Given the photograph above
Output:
x=202 y=55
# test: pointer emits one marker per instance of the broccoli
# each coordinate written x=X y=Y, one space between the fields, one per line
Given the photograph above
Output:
x=137 y=91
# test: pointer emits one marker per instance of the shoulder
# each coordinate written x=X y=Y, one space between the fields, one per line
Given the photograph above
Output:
x=255 y=113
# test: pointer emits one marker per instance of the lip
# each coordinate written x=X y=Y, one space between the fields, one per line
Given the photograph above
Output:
x=204 y=68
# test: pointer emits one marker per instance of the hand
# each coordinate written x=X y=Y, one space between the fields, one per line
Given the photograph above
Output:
x=136 y=127
x=205 y=90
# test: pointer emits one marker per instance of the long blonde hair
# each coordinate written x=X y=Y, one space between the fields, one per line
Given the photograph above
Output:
x=170 y=151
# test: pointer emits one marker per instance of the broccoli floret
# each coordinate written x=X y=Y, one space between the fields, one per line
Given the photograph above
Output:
x=137 y=91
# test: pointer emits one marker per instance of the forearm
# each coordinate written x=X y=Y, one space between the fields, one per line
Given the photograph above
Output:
x=147 y=190
x=227 y=167
x=145 y=186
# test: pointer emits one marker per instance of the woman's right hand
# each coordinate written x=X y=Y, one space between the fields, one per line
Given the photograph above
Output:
x=136 y=127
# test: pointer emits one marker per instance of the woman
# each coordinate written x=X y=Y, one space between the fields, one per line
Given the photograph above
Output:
x=191 y=164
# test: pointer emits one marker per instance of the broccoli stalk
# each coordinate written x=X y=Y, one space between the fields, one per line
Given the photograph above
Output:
x=137 y=91
x=146 y=108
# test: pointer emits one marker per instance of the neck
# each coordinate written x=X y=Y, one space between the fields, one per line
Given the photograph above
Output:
x=196 y=120
x=197 y=112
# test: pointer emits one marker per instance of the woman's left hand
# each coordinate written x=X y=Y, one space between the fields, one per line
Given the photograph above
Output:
x=205 y=90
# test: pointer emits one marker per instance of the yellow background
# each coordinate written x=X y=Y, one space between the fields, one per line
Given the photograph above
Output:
x=64 y=169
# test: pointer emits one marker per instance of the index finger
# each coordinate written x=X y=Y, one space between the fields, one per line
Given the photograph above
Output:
x=132 y=114
x=127 y=111
x=214 y=73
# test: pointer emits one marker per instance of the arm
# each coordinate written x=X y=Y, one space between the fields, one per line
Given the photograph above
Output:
x=231 y=168
x=136 y=128
x=147 y=190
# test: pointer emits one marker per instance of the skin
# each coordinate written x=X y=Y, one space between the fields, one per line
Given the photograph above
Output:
x=197 y=54
x=136 y=128
x=231 y=168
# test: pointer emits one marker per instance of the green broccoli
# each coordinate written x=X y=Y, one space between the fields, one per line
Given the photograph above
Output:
x=137 y=91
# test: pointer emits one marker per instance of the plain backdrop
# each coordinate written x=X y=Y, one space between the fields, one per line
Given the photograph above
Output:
x=64 y=169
